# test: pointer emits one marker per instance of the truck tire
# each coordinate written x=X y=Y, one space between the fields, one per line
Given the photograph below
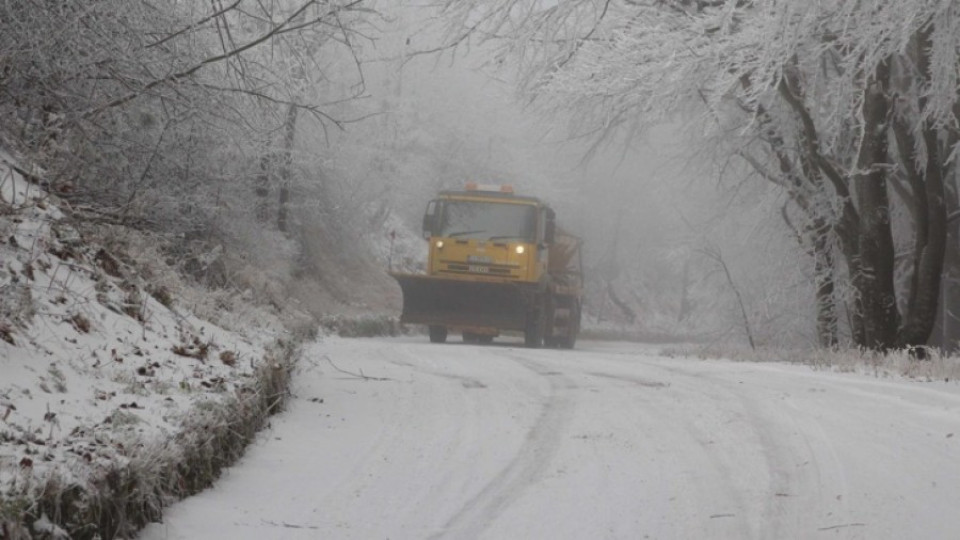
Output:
x=566 y=342
x=569 y=340
x=438 y=334
x=549 y=319
x=533 y=332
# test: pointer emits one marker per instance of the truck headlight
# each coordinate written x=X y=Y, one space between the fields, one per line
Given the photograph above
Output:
x=439 y=244
x=520 y=250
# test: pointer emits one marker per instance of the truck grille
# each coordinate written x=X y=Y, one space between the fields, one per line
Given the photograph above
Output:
x=479 y=269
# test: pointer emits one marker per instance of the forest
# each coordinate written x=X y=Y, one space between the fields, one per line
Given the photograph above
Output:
x=748 y=171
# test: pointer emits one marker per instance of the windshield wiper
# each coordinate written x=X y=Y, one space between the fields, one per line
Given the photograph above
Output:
x=461 y=233
x=504 y=236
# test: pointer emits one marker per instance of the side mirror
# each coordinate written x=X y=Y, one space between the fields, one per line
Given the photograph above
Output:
x=430 y=220
x=550 y=230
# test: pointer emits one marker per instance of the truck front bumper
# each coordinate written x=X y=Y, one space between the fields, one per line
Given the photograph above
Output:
x=459 y=303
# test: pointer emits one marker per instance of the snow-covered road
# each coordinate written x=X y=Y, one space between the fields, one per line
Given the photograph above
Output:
x=606 y=441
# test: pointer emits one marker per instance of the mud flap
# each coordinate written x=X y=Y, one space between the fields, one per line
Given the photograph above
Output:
x=454 y=302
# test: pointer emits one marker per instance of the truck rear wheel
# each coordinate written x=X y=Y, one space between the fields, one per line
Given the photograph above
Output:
x=533 y=333
x=438 y=334
x=569 y=340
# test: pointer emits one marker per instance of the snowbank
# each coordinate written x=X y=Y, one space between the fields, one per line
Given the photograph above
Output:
x=112 y=399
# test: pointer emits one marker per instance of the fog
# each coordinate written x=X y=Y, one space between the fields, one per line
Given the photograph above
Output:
x=646 y=204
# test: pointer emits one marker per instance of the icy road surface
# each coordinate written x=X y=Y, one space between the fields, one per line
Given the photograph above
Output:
x=606 y=441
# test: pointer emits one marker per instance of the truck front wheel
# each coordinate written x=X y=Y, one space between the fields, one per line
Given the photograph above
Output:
x=438 y=334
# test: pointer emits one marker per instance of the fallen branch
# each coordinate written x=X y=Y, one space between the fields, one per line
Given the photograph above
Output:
x=357 y=375
x=289 y=525
x=842 y=526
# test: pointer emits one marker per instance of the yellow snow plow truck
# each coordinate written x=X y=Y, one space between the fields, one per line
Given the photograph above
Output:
x=497 y=262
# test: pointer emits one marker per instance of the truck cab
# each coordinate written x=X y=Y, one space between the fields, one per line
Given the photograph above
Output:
x=491 y=268
x=488 y=234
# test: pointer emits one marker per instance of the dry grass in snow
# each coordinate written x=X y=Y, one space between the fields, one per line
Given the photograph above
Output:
x=932 y=366
x=112 y=399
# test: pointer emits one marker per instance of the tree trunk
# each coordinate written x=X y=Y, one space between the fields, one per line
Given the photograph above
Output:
x=877 y=293
x=817 y=168
x=929 y=251
x=262 y=190
x=946 y=333
x=685 y=304
x=931 y=227
x=824 y=282
x=949 y=312
x=289 y=132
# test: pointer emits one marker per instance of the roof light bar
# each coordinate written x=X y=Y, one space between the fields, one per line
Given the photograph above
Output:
x=503 y=188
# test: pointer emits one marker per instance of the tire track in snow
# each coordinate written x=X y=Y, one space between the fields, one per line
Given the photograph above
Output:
x=801 y=462
x=726 y=520
x=527 y=467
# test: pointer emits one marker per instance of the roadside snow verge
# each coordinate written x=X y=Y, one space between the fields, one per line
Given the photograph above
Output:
x=932 y=366
x=114 y=400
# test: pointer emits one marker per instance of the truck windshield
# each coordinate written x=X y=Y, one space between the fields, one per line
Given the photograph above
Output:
x=488 y=221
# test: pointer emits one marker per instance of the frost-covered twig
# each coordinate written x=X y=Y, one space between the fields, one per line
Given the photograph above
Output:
x=357 y=375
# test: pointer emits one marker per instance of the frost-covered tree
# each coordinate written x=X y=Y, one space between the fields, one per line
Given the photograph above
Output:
x=851 y=107
x=117 y=99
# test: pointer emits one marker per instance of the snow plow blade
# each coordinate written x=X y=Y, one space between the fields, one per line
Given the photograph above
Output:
x=455 y=302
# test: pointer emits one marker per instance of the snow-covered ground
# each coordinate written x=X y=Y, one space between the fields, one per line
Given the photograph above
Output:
x=398 y=438
x=98 y=365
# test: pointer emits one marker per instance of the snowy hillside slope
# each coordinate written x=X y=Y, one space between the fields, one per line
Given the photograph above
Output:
x=103 y=376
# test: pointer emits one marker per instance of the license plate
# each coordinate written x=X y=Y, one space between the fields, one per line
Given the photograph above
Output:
x=478 y=269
